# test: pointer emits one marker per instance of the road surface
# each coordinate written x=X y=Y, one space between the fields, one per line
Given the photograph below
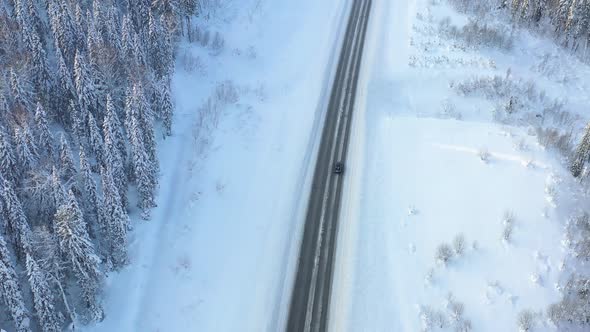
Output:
x=311 y=292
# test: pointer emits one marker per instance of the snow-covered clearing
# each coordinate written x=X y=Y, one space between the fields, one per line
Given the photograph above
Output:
x=219 y=252
x=454 y=214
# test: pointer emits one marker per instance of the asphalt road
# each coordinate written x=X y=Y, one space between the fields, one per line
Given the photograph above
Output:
x=310 y=298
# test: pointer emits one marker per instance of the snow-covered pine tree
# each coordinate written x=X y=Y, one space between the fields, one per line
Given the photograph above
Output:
x=40 y=68
x=116 y=219
x=66 y=160
x=12 y=212
x=62 y=26
x=57 y=188
x=76 y=247
x=168 y=10
x=26 y=150
x=143 y=169
x=112 y=126
x=21 y=95
x=78 y=120
x=139 y=52
x=144 y=178
x=8 y=163
x=165 y=105
x=113 y=157
x=96 y=140
x=44 y=136
x=43 y=299
x=127 y=53
x=113 y=28
x=188 y=8
x=155 y=49
x=582 y=154
x=65 y=87
x=145 y=117
x=92 y=206
x=84 y=82
x=4 y=108
x=10 y=291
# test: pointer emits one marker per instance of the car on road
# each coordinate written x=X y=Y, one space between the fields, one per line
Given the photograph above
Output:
x=339 y=167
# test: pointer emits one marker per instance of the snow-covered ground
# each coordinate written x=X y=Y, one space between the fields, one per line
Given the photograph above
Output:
x=431 y=158
x=220 y=250
x=429 y=165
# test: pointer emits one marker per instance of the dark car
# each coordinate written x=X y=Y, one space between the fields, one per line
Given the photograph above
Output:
x=339 y=167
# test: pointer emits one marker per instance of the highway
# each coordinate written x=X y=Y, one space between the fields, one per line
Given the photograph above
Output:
x=310 y=298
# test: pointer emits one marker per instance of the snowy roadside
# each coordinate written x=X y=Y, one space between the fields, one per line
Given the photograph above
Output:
x=220 y=250
x=454 y=214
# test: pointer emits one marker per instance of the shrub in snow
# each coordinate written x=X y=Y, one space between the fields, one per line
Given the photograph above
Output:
x=578 y=234
x=484 y=155
x=554 y=138
x=537 y=279
x=218 y=43
x=455 y=309
x=412 y=210
x=429 y=277
x=431 y=319
x=449 y=111
x=508 y=221
x=476 y=34
x=459 y=244
x=444 y=254
x=525 y=321
x=507 y=233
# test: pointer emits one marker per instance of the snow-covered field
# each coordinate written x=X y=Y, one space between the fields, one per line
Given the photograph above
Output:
x=454 y=214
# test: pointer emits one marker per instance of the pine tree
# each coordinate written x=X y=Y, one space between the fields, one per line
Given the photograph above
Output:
x=79 y=252
x=127 y=54
x=96 y=141
x=66 y=161
x=8 y=164
x=92 y=204
x=165 y=106
x=42 y=77
x=117 y=220
x=85 y=87
x=62 y=26
x=155 y=46
x=4 y=108
x=58 y=190
x=113 y=158
x=66 y=85
x=139 y=52
x=10 y=290
x=145 y=116
x=112 y=127
x=582 y=154
x=78 y=120
x=13 y=213
x=188 y=8
x=42 y=297
x=44 y=136
x=20 y=94
x=140 y=127
x=26 y=150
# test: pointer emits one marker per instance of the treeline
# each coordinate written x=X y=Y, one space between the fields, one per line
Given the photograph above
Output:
x=84 y=86
x=570 y=19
